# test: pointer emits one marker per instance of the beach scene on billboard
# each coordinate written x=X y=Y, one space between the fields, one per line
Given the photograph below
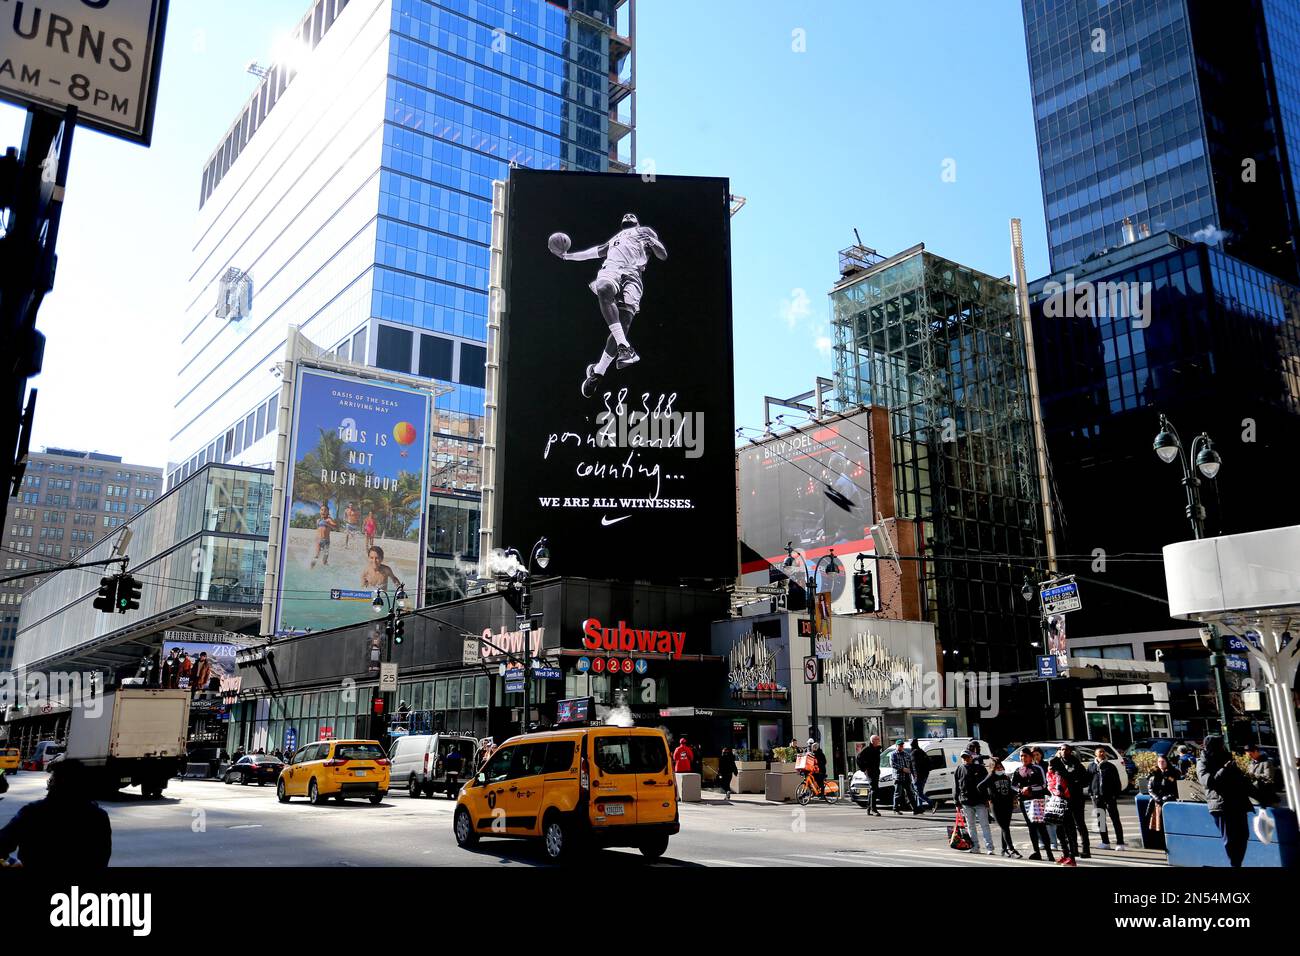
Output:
x=354 y=514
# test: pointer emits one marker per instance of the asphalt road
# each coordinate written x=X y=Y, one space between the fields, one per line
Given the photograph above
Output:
x=206 y=823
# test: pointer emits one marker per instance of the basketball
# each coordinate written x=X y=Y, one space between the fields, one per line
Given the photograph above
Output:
x=558 y=243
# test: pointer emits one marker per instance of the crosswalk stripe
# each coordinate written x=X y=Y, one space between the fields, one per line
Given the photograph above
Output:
x=726 y=863
x=781 y=861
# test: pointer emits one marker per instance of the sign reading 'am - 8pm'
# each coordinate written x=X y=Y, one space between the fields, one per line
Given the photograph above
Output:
x=100 y=56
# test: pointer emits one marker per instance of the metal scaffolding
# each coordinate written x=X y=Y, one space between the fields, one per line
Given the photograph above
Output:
x=940 y=346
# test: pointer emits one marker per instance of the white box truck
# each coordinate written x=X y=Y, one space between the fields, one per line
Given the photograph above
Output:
x=137 y=739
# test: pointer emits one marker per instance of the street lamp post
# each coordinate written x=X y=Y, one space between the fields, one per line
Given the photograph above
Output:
x=833 y=567
x=1169 y=447
x=541 y=556
x=394 y=627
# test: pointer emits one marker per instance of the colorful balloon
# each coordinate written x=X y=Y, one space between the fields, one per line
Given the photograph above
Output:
x=404 y=433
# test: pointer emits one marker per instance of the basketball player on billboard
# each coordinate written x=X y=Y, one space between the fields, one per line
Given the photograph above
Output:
x=617 y=287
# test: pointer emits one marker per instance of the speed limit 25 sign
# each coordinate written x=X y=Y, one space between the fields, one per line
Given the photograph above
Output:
x=101 y=56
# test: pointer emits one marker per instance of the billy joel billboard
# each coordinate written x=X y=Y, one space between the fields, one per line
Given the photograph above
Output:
x=616 y=432
x=811 y=489
x=355 y=502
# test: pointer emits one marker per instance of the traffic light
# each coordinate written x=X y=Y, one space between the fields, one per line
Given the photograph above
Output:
x=399 y=630
x=864 y=594
x=128 y=593
x=106 y=601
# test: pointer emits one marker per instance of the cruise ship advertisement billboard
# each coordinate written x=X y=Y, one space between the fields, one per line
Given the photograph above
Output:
x=616 y=433
x=355 y=507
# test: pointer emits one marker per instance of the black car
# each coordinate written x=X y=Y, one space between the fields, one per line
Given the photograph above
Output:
x=257 y=768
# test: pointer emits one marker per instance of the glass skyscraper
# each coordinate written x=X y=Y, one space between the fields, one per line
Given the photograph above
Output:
x=1180 y=115
x=939 y=346
x=1216 y=347
x=351 y=197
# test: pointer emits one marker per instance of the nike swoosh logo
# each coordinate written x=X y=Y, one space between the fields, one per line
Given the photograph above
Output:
x=604 y=520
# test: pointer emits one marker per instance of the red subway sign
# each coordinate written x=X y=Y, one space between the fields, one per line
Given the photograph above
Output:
x=629 y=640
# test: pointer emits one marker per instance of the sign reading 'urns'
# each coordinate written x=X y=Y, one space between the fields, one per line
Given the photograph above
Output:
x=616 y=433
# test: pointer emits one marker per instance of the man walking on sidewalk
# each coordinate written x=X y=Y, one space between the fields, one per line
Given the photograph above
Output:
x=1104 y=790
x=869 y=763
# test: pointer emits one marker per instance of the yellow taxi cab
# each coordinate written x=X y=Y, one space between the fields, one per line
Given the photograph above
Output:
x=335 y=768
x=589 y=786
x=10 y=759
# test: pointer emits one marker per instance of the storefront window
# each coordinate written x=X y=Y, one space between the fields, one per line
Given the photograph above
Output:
x=440 y=695
x=453 y=694
x=480 y=692
x=1141 y=726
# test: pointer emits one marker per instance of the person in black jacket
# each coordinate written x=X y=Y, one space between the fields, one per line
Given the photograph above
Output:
x=1001 y=794
x=1265 y=782
x=726 y=770
x=920 y=773
x=65 y=832
x=971 y=800
x=1103 y=787
x=1163 y=782
x=1227 y=792
x=869 y=763
x=1030 y=783
x=1079 y=779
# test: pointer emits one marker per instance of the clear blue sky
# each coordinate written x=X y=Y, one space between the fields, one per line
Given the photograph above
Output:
x=852 y=131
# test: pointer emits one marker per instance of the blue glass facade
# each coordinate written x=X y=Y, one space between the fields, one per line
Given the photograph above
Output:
x=1216 y=347
x=375 y=239
x=1143 y=109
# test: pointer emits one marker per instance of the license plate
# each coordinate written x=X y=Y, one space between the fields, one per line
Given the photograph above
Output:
x=614 y=810
x=360 y=773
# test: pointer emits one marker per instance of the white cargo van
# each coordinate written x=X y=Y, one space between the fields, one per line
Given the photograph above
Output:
x=419 y=763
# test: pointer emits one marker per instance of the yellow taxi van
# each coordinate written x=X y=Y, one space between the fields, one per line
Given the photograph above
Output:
x=572 y=789
x=335 y=768
x=9 y=759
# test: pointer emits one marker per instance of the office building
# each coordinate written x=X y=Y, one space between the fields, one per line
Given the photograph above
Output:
x=939 y=346
x=351 y=198
x=1175 y=115
x=1214 y=344
x=68 y=500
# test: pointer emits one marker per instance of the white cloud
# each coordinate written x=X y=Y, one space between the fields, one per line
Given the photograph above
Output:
x=1210 y=234
x=823 y=343
x=796 y=309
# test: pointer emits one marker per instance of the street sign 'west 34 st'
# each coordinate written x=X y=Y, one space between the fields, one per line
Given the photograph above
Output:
x=100 y=56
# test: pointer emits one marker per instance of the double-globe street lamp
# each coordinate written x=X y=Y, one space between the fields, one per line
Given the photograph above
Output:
x=521 y=577
x=833 y=567
x=1170 y=449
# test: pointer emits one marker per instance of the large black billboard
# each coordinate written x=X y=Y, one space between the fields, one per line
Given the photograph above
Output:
x=616 y=427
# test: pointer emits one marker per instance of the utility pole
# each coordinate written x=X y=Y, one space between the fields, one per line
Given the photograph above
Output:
x=32 y=184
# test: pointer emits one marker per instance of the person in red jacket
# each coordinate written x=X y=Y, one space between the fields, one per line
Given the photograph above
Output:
x=683 y=757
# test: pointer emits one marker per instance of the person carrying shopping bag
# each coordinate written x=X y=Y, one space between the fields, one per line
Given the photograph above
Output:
x=1058 y=810
x=1030 y=785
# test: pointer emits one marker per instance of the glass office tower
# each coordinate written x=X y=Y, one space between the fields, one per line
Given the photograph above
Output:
x=1180 y=115
x=351 y=197
x=939 y=345
x=1216 y=348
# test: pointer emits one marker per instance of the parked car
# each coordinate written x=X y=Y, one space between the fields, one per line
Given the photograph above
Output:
x=10 y=759
x=942 y=753
x=335 y=768
x=45 y=753
x=1085 y=750
x=420 y=763
x=257 y=768
x=589 y=786
x=1162 y=746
